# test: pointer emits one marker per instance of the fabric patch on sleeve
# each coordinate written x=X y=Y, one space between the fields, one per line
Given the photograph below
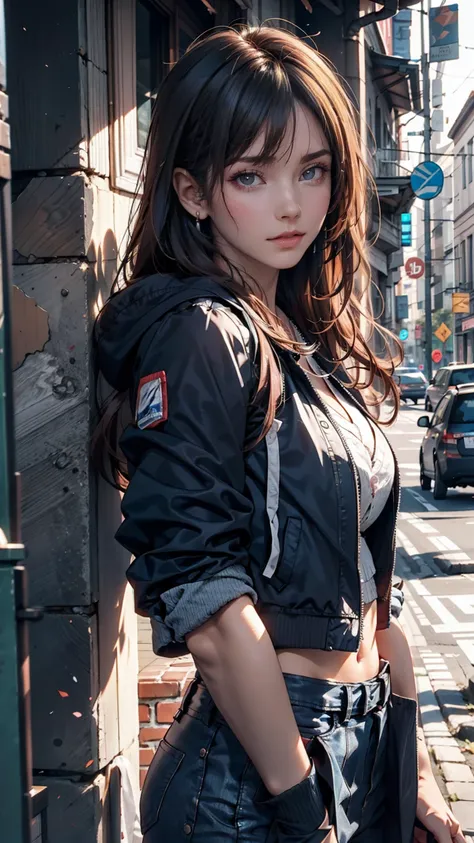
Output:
x=152 y=401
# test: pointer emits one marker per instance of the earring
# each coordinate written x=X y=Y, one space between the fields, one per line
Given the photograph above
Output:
x=198 y=222
x=315 y=243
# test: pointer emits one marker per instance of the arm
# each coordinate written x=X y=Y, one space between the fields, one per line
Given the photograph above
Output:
x=187 y=520
x=237 y=660
x=432 y=810
x=393 y=646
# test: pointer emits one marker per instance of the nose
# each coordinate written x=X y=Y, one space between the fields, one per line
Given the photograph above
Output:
x=288 y=206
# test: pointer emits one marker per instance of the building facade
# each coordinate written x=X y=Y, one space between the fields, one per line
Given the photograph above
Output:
x=82 y=76
x=462 y=134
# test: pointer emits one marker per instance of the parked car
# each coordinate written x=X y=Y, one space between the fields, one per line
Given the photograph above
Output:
x=403 y=369
x=412 y=385
x=447 y=450
x=446 y=378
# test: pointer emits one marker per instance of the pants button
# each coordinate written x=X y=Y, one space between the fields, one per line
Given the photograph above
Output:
x=187 y=828
x=203 y=752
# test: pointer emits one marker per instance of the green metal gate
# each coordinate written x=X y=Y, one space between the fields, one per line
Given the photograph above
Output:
x=17 y=798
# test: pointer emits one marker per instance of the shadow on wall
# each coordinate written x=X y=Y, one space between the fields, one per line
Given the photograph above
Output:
x=84 y=650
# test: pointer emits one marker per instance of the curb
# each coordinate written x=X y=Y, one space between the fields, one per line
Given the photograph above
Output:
x=453 y=709
x=455 y=771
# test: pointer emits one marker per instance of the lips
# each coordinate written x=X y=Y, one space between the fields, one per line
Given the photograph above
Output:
x=288 y=235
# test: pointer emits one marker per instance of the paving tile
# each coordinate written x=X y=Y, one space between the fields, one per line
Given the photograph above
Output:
x=444 y=741
x=463 y=790
x=456 y=772
x=462 y=725
x=464 y=813
x=448 y=753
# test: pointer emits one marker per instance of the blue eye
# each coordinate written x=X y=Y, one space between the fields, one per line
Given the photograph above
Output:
x=246 y=179
x=309 y=175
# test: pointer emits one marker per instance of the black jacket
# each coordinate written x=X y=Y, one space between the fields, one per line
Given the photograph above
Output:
x=200 y=506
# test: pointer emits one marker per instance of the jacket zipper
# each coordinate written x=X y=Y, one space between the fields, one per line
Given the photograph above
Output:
x=358 y=495
x=388 y=592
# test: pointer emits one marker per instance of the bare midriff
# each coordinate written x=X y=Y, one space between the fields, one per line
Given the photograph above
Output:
x=336 y=665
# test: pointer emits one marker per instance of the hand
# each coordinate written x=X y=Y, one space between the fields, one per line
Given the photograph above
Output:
x=435 y=815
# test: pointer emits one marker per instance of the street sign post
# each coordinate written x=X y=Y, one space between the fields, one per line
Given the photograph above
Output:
x=427 y=180
x=414 y=267
x=443 y=332
x=460 y=303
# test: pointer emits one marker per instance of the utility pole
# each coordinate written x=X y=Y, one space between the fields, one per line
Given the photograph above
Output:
x=425 y=69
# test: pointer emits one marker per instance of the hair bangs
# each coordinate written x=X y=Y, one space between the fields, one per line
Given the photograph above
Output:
x=260 y=105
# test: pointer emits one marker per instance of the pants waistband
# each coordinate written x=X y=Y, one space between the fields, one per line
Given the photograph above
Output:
x=344 y=698
x=319 y=694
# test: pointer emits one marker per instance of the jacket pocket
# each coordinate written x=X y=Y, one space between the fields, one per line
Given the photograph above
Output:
x=288 y=554
x=163 y=768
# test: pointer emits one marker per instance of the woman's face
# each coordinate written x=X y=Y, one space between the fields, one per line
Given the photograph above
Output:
x=288 y=196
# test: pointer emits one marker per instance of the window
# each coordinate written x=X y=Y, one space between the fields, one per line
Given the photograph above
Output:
x=463 y=279
x=378 y=127
x=463 y=411
x=470 y=263
x=440 y=410
x=457 y=265
x=463 y=167
x=413 y=378
x=147 y=36
x=470 y=152
x=462 y=376
x=152 y=55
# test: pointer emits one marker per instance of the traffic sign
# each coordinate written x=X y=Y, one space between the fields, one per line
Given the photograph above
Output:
x=443 y=332
x=403 y=335
x=414 y=267
x=427 y=180
x=460 y=303
x=418 y=332
x=436 y=355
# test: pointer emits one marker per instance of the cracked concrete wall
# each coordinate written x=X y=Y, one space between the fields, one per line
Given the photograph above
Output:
x=66 y=226
x=30 y=326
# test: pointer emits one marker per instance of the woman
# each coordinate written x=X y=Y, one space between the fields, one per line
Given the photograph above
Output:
x=262 y=495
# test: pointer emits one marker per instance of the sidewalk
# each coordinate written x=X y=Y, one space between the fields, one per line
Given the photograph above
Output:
x=448 y=725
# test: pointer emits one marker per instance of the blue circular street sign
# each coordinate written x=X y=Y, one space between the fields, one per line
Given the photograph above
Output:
x=427 y=180
x=403 y=334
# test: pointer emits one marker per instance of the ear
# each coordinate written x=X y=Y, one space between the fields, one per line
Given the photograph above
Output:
x=189 y=194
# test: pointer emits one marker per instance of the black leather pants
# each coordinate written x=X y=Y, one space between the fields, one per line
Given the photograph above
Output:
x=202 y=786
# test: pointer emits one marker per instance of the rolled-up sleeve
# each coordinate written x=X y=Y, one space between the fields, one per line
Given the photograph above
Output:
x=186 y=513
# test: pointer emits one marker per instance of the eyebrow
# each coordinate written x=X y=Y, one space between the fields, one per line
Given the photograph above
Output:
x=310 y=156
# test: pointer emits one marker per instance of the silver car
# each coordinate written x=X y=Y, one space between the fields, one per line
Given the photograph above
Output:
x=447 y=378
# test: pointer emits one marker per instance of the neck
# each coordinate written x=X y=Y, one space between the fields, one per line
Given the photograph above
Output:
x=261 y=279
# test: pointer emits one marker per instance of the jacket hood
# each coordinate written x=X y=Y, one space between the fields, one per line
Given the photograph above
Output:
x=127 y=316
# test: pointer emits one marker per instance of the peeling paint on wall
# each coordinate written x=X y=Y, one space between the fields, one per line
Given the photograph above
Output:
x=30 y=327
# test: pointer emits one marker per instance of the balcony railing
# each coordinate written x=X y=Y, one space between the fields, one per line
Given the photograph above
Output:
x=387 y=164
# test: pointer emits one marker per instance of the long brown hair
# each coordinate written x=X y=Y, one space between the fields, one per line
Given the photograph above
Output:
x=229 y=86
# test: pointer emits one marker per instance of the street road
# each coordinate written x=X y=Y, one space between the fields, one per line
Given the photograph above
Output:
x=436 y=559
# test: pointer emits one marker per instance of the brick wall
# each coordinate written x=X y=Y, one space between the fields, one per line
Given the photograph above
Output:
x=159 y=694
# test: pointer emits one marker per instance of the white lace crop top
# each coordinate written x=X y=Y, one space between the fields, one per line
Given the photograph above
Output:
x=376 y=468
